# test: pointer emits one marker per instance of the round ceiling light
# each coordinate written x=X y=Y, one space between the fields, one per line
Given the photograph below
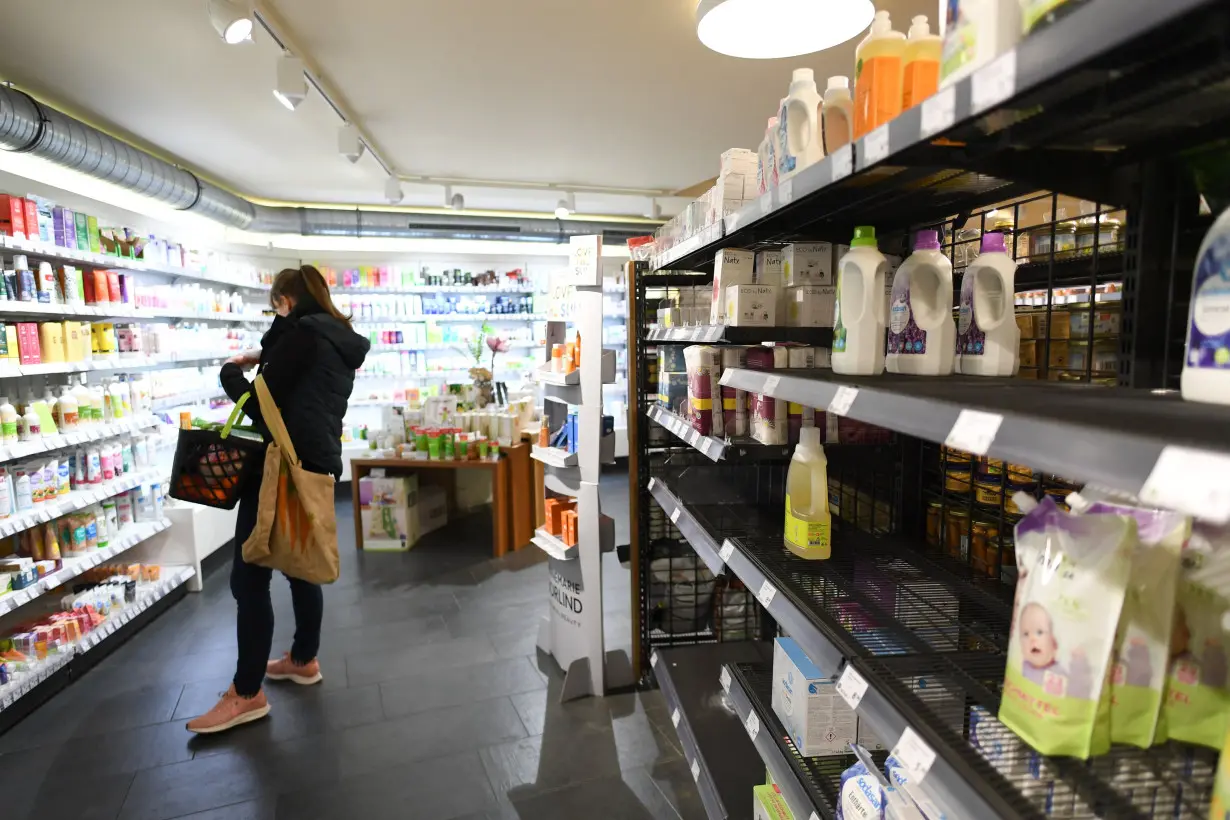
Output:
x=232 y=20
x=769 y=29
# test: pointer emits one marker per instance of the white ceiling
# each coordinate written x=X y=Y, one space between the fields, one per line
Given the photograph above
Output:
x=596 y=92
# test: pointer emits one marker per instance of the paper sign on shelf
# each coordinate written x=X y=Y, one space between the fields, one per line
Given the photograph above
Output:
x=994 y=82
x=1191 y=480
x=770 y=385
x=652 y=483
x=585 y=259
x=653 y=659
x=753 y=725
x=842 y=400
x=914 y=755
x=675 y=717
x=766 y=594
x=875 y=145
x=843 y=162
x=727 y=550
x=939 y=111
x=675 y=515
x=851 y=686
x=696 y=770
x=974 y=431
x=724 y=679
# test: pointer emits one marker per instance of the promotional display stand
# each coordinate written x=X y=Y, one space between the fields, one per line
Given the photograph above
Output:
x=572 y=631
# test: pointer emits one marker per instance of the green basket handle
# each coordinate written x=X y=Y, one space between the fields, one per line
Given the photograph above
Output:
x=234 y=417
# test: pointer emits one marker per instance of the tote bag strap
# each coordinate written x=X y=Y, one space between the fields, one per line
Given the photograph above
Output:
x=235 y=414
x=273 y=420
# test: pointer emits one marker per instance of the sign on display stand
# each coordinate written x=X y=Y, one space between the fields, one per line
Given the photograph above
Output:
x=572 y=630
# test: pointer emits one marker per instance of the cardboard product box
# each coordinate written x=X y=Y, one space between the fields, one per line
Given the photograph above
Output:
x=385 y=505
x=32 y=227
x=673 y=392
x=751 y=305
x=94 y=235
x=731 y=267
x=805 y=699
x=1029 y=353
x=1028 y=325
x=12 y=216
x=28 y=343
x=768 y=804
x=570 y=528
x=1060 y=326
x=553 y=513
x=431 y=511
x=1059 y=355
x=737 y=161
x=809 y=263
x=810 y=305
x=83 y=232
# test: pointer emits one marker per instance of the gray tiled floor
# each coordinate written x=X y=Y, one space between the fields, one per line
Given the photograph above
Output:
x=435 y=704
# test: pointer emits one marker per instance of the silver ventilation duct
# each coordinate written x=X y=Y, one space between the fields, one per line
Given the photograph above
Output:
x=29 y=126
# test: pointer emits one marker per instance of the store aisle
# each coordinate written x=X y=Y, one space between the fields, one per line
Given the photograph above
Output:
x=434 y=705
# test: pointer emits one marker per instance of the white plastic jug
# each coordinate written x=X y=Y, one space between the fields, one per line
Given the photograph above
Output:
x=988 y=339
x=838 y=114
x=804 y=138
x=859 y=319
x=808 y=531
x=921 y=332
x=1206 y=369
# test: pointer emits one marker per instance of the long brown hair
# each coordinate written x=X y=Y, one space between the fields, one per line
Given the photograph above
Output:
x=305 y=284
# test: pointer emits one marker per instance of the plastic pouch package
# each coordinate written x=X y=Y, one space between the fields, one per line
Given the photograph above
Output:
x=865 y=794
x=1069 y=597
x=1142 y=641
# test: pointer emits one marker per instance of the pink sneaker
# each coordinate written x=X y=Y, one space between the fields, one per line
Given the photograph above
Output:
x=230 y=712
x=286 y=669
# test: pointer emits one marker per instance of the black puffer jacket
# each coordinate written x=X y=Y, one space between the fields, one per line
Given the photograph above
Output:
x=308 y=360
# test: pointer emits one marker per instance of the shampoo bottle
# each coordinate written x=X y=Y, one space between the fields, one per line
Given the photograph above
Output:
x=808 y=532
x=921 y=75
x=838 y=114
x=988 y=339
x=1206 y=370
x=30 y=427
x=921 y=333
x=804 y=139
x=877 y=76
x=858 y=320
x=68 y=411
x=8 y=421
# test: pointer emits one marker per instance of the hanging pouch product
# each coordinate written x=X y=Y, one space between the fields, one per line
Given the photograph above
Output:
x=1197 y=703
x=1069 y=597
x=1142 y=641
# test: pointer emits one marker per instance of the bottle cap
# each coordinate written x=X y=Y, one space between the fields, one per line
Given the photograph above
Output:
x=810 y=437
x=882 y=23
x=839 y=82
x=927 y=240
x=993 y=242
x=864 y=237
x=803 y=75
x=919 y=27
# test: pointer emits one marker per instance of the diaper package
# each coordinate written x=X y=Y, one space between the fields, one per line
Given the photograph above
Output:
x=1197 y=703
x=1142 y=641
x=1069 y=597
x=704 y=392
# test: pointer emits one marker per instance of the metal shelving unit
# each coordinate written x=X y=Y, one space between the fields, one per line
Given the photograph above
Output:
x=1119 y=104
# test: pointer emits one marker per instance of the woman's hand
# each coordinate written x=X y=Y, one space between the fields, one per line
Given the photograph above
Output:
x=246 y=359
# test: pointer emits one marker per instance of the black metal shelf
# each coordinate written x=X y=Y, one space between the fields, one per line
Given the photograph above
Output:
x=1145 y=443
x=743 y=448
x=725 y=334
x=722 y=759
x=1067 y=109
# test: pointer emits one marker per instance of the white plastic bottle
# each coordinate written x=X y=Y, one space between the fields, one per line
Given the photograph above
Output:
x=69 y=413
x=81 y=395
x=988 y=339
x=858 y=320
x=1206 y=368
x=808 y=532
x=30 y=426
x=99 y=406
x=921 y=333
x=804 y=139
x=8 y=421
x=838 y=114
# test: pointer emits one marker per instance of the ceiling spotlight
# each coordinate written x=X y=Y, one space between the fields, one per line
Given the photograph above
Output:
x=292 y=85
x=349 y=144
x=231 y=19
x=566 y=207
x=392 y=190
x=752 y=28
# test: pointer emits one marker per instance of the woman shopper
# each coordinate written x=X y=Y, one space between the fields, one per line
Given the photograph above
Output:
x=308 y=359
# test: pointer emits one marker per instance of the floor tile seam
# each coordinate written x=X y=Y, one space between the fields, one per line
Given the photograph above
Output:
x=475 y=702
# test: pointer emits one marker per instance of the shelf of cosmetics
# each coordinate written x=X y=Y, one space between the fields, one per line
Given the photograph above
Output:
x=424 y=279
x=418 y=365
x=897 y=73
x=38 y=225
x=68 y=290
x=379 y=307
x=432 y=427
x=110 y=598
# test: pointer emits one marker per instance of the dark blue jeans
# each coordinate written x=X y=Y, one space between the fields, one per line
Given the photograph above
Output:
x=254 y=624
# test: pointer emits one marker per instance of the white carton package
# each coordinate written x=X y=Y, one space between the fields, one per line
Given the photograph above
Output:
x=769 y=271
x=807 y=264
x=731 y=267
x=810 y=305
x=807 y=703
x=386 y=512
x=751 y=305
x=431 y=511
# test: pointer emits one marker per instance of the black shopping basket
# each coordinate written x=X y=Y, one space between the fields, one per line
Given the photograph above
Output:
x=213 y=465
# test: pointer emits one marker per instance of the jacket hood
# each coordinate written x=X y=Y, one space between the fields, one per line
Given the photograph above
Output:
x=350 y=345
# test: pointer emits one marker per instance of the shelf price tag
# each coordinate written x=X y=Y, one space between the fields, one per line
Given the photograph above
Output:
x=851 y=686
x=785 y=192
x=766 y=594
x=993 y=83
x=875 y=145
x=653 y=659
x=753 y=725
x=724 y=679
x=675 y=515
x=766 y=203
x=1191 y=480
x=813 y=816
x=914 y=754
x=770 y=384
x=974 y=431
x=842 y=400
x=843 y=162
x=727 y=550
x=706 y=446
x=696 y=770
x=652 y=483
x=675 y=717
x=939 y=111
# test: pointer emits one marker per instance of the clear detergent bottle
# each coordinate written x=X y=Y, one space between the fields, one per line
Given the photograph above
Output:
x=808 y=521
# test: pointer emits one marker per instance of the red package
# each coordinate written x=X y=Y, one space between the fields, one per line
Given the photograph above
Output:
x=12 y=216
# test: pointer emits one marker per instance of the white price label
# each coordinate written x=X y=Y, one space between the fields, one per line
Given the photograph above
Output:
x=993 y=83
x=939 y=111
x=766 y=202
x=766 y=593
x=770 y=385
x=813 y=816
x=753 y=725
x=914 y=755
x=1194 y=481
x=675 y=516
x=842 y=399
x=727 y=550
x=696 y=770
x=875 y=145
x=843 y=162
x=974 y=431
x=706 y=446
x=851 y=686
x=653 y=659
x=652 y=483
x=675 y=718
x=724 y=679
x=785 y=192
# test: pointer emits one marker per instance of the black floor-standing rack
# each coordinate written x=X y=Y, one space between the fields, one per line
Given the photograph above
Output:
x=1123 y=104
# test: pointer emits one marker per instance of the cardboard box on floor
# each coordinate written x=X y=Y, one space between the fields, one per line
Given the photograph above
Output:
x=431 y=511
x=385 y=505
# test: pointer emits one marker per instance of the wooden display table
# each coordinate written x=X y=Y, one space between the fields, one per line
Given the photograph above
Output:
x=512 y=497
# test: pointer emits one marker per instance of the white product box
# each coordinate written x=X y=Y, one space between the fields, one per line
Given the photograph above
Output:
x=386 y=512
x=729 y=188
x=769 y=267
x=806 y=701
x=810 y=305
x=431 y=511
x=808 y=264
x=731 y=266
x=737 y=161
x=751 y=305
